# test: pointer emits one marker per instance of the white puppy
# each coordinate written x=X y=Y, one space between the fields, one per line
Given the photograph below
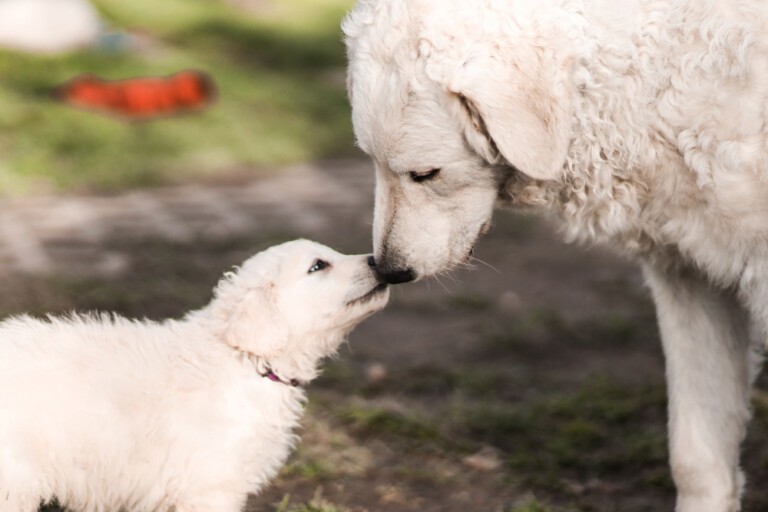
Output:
x=104 y=413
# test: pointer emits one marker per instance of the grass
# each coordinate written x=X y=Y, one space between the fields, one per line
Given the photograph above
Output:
x=312 y=507
x=379 y=422
x=531 y=506
x=315 y=505
x=602 y=430
x=538 y=329
x=599 y=435
x=281 y=97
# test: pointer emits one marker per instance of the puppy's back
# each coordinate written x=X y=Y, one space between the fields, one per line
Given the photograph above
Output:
x=86 y=395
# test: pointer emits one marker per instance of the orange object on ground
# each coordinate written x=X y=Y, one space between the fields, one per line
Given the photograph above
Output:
x=140 y=98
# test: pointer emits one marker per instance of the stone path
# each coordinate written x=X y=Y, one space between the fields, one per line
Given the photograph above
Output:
x=43 y=234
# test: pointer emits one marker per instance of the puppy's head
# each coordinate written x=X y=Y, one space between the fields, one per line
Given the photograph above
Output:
x=293 y=304
x=451 y=98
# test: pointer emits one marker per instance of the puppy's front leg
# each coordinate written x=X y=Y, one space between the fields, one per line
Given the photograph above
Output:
x=706 y=344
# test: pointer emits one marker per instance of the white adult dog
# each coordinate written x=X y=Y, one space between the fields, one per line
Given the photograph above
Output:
x=105 y=413
x=641 y=124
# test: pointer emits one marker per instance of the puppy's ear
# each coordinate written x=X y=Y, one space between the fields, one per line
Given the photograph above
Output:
x=255 y=325
x=516 y=104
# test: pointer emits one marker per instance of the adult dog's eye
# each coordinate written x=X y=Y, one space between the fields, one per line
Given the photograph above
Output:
x=418 y=177
x=318 y=265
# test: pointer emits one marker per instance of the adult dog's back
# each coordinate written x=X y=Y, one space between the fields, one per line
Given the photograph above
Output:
x=640 y=124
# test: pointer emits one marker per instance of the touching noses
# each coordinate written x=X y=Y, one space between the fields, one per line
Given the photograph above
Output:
x=391 y=275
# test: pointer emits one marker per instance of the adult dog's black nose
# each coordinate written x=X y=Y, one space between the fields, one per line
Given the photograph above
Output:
x=389 y=274
x=395 y=276
x=398 y=276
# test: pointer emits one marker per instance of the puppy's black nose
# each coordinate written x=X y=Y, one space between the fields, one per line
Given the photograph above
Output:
x=371 y=262
x=397 y=276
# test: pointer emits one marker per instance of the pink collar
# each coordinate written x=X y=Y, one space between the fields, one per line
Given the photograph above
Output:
x=269 y=374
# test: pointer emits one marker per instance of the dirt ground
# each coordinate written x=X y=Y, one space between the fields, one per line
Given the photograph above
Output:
x=532 y=383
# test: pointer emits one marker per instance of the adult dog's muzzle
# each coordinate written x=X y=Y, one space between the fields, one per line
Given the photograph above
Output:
x=386 y=274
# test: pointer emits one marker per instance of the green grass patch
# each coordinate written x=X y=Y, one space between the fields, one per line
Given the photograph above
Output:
x=315 y=505
x=532 y=505
x=602 y=430
x=375 y=422
x=309 y=469
x=279 y=72
x=538 y=330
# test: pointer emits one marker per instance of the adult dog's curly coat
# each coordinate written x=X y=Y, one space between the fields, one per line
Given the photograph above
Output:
x=108 y=414
x=641 y=124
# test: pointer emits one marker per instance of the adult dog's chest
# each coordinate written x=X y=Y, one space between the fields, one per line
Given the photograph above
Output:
x=664 y=214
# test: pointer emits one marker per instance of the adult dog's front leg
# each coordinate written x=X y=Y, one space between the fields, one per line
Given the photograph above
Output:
x=705 y=336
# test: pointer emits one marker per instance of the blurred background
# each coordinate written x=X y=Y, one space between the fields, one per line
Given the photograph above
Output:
x=279 y=66
x=533 y=383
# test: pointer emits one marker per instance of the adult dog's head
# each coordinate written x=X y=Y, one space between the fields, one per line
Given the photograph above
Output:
x=294 y=303
x=451 y=98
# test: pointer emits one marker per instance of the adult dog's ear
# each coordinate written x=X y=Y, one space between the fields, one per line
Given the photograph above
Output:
x=254 y=325
x=516 y=103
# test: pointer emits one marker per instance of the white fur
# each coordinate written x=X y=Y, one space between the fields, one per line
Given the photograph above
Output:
x=48 y=26
x=105 y=413
x=640 y=124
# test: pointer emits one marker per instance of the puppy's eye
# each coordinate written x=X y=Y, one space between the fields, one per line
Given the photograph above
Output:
x=318 y=265
x=418 y=177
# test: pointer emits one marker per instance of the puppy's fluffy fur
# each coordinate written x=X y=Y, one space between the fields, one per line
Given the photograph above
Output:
x=104 y=413
x=642 y=124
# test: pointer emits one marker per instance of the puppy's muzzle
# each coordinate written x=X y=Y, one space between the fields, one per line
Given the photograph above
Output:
x=380 y=287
